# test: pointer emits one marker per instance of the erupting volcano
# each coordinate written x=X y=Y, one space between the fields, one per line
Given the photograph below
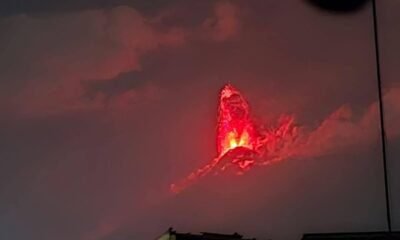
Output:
x=240 y=141
x=235 y=128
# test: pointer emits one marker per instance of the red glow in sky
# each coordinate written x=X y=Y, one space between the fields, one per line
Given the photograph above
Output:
x=240 y=142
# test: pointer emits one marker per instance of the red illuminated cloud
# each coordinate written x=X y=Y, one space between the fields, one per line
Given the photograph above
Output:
x=343 y=130
x=225 y=23
x=58 y=52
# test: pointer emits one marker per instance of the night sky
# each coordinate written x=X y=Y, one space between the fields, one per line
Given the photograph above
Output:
x=104 y=104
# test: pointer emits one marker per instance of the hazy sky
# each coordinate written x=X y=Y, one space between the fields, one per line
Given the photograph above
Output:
x=104 y=104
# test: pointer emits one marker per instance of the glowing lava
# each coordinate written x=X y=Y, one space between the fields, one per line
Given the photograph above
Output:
x=240 y=142
x=235 y=128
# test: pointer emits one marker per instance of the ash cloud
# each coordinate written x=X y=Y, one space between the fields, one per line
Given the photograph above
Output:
x=47 y=57
x=56 y=53
x=225 y=23
x=343 y=129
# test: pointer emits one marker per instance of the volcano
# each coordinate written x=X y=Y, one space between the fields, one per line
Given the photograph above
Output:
x=240 y=141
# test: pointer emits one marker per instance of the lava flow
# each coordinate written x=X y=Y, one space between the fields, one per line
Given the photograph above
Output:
x=240 y=142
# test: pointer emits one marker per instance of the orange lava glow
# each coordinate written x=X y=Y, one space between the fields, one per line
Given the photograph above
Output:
x=240 y=142
x=235 y=128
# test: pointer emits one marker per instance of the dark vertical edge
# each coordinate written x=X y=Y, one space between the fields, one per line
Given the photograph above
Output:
x=381 y=116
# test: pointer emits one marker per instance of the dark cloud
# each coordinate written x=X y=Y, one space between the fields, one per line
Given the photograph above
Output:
x=114 y=87
x=9 y=7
